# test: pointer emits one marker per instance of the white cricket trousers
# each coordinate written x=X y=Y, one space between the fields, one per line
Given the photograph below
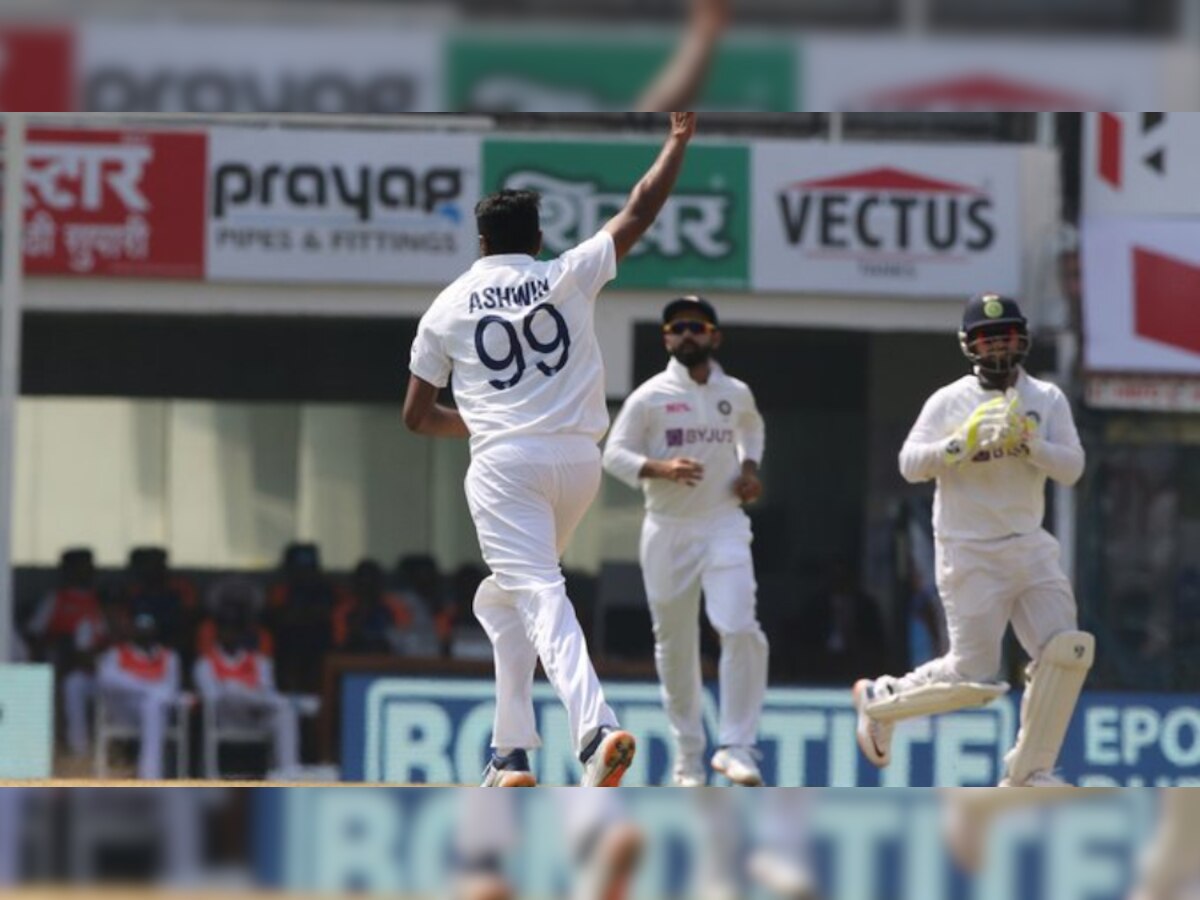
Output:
x=149 y=708
x=527 y=496
x=679 y=560
x=984 y=586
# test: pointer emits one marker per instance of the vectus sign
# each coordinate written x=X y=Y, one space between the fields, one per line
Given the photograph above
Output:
x=886 y=210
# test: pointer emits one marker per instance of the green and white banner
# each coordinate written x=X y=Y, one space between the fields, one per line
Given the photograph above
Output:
x=701 y=238
x=579 y=70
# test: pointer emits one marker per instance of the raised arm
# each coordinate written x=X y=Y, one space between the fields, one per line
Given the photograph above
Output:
x=650 y=194
x=685 y=73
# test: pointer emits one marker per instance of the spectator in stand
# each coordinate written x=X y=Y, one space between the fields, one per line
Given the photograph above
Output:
x=421 y=593
x=75 y=601
x=241 y=683
x=139 y=681
x=848 y=624
x=68 y=628
x=371 y=619
x=153 y=590
x=301 y=616
x=239 y=600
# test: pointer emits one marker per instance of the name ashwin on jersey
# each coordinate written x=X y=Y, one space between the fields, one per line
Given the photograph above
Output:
x=519 y=295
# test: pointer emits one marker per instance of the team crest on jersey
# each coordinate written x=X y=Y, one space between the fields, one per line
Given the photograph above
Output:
x=679 y=407
x=724 y=407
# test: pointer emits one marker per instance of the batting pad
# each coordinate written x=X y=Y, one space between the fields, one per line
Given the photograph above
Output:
x=1050 y=699
x=934 y=698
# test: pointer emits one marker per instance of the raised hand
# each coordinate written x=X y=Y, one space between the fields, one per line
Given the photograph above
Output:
x=683 y=125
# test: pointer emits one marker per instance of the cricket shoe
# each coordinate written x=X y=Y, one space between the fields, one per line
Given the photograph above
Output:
x=482 y=886
x=509 y=771
x=780 y=876
x=739 y=765
x=689 y=773
x=607 y=758
x=1042 y=779
x=874 y=738
x=608 y=862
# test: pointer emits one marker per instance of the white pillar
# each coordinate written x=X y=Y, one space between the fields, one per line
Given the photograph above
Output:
x=10 y=355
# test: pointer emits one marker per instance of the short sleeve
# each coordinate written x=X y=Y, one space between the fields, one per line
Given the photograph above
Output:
x=428 y=359
x=593 y=263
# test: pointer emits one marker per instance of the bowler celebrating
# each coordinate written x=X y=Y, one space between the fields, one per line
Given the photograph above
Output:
x=518 y=337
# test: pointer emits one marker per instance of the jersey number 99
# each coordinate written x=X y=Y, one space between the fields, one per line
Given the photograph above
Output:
x=514 y=357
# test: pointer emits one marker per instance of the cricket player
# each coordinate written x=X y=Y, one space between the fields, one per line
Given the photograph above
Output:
x=518 y=337
x=692 y=439
x=991 y=439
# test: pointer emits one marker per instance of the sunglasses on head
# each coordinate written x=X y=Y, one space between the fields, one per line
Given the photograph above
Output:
x=689 y=326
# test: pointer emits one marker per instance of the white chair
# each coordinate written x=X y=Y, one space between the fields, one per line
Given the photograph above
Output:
x=222 y=729
x=109 y=728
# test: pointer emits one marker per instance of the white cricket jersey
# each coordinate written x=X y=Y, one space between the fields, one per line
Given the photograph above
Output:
x=518 y=336
x=671 y=416
x=998 y=494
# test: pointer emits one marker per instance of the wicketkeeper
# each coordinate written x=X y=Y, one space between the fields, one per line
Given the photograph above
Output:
x=991 y=439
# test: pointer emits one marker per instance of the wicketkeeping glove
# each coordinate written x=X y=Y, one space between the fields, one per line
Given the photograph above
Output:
x=993 y=424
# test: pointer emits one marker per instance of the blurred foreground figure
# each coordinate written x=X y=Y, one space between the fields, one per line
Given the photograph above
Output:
x=534 y=428
x=683 y=77
x=1171 y=867
x=991 y=439
x=760 y=846
x=11 y=835
x=968 y=815
x=604 y=846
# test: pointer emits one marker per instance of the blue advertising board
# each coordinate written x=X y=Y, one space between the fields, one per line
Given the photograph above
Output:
x=436 y=731
x=862 y=845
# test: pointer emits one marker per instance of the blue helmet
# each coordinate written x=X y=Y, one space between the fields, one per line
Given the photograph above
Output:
x=989 y=323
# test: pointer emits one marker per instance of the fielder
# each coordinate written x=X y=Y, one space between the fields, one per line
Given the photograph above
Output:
x=518 y=336
x=990 y=440
x=691 y=438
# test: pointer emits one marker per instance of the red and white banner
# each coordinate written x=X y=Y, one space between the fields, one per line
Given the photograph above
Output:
x=902 y=219
x=341 y=206
x=1141 y=163
x=1144 y=393
x=1141 y=289
x=962 y=74
x=37 y=68
x=116 y=203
